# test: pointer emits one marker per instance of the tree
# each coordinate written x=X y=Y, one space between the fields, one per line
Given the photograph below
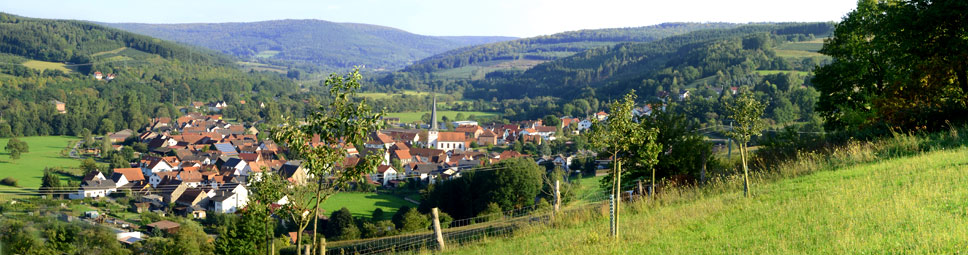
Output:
x=896 y=64
x=513 y=185
x=621 y=138
x=88 y=166
x=266 y=189
x=341 y=226
x=377 y=214
x=684 y=148
x=50 y=182
x=343 y=120
x=18 y=145
x=745 y=111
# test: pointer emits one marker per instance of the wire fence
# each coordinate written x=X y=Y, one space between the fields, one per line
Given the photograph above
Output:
x=471 y=230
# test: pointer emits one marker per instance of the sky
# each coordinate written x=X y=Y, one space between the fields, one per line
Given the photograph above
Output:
x=519 y=18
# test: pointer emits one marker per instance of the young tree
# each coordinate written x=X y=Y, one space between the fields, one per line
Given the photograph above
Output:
x=745 y=111
x=622 y=138
x=342 y=122
x=265 y=190
x=49 y=183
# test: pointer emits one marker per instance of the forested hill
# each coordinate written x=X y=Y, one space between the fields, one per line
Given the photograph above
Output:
x=711 y=58
x=45 y=60
x=550 y=47
x=329 y=45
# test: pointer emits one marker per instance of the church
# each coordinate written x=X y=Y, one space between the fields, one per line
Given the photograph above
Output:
x=446 y=141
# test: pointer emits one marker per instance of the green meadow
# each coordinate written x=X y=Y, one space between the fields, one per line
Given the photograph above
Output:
x=362 y=204
x=901 y=196
x=45 y=151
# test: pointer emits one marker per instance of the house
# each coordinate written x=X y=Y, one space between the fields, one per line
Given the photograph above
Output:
x=487 y=137
x=110 y=77
x=226 y=149
x=120 y=136
x=384 y=174
x=166 y=226
x=567 y=121
x=421 y=171
x=229 y=198
x=465 y=123
x=683 y=95
x=470 y=131
x=93 y=176
x=450 y=141
x=60 y=106
x=173 y=190
x=293 y=172
x=154 y=165
x=94 y=189
x=236 y=166
x=402 y=155
x=132 y=175
x=584 y=125
x=601 y=116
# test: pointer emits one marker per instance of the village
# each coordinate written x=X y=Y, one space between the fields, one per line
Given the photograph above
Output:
x=198 y=164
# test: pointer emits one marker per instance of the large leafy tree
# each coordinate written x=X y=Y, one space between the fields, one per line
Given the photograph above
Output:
x=746 y=112
x=341 y=123
x=901 y=63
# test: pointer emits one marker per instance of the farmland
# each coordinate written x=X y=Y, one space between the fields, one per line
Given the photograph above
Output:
x=45 y=151
x=380 y=95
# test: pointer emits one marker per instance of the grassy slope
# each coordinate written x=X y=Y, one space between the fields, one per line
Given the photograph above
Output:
x=44 y=65
x=907 y=205
x=363 y=204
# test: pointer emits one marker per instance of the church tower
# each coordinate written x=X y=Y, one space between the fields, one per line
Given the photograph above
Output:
x=432 y=134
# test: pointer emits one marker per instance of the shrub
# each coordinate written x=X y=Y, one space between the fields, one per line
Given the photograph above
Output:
x=9 y=181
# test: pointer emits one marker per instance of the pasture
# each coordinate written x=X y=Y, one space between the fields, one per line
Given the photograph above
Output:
x=45 y=151
x=44 y=65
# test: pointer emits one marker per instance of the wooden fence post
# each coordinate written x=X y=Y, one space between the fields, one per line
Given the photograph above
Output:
x=440 y=236
x=557 y=196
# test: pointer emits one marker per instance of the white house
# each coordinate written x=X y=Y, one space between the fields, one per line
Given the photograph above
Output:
x=385 y=174
x=230 y=198
x=237 y=166
x=156 y=165
x=584 y=125
x=94 y=189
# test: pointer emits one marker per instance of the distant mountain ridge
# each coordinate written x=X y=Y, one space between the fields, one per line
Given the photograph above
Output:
x=327 y=45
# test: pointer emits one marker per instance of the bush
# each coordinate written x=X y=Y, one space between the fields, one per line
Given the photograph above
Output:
x=9 y=181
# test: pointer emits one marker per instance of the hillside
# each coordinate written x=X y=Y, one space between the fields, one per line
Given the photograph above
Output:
x=45 y=60
x=909 y=204
x=327 y=45
x=550 y=47
x=668 y=64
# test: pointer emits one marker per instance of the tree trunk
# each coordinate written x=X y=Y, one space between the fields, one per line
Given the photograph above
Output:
x=746 y=172
x=618 y=202
x=319 y=190
x=962 y=78
x=652 y=186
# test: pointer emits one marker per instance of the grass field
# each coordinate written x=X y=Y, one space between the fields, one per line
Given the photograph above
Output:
x=45 y=151
x=797 y=54
x=114 y=51
x=381 y=95
x=886 y=204
x=409 y=117
x=258 y=67
x=363 y=204
x=44 y=65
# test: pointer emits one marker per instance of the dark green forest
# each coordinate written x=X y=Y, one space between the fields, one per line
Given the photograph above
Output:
x=153 y=77
x=310 y=44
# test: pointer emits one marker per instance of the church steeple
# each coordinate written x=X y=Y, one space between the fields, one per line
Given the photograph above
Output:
x=433 y=115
